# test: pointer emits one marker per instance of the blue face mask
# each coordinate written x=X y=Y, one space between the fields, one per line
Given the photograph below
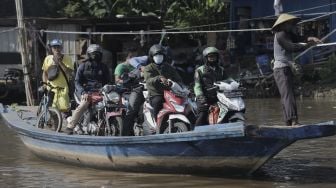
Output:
x=158 y=59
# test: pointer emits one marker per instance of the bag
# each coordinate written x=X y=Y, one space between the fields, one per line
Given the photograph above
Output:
x=296 y=69
x=53 y=72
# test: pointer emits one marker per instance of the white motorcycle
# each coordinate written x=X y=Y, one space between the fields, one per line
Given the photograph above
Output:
x=230 y=106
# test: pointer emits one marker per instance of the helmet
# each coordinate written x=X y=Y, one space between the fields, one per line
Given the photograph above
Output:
x=56 y=42
x=94 y=48
x=209 y=50
x=156 y=49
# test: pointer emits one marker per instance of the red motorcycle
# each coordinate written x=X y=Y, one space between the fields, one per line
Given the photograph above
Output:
x=172 y=117
x=104 y=116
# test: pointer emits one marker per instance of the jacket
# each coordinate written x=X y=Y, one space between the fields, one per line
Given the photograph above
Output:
x=205 y=77
x=152 y=75
x=90 y=76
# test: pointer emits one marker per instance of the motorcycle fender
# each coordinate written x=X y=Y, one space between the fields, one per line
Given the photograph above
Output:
x=238 y=115
x=180 y=117
x=222 y=113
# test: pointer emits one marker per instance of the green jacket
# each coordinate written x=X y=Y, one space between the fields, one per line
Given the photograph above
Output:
x=152 y=73
x=206 y=77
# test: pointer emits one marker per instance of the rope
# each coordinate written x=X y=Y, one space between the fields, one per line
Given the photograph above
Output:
x=316 y=18
x=324 y=38
x=168 y=31
x=152 y=32
x=326 y=44
x=9 y=30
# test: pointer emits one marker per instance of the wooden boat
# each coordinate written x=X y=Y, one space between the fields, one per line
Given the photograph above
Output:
x=231 y=148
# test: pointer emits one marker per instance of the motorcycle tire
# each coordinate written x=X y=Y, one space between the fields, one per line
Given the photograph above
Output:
x=54 y=120
x=177 y=128
x=116 y=124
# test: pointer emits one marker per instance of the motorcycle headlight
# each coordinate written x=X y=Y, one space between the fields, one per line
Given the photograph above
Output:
x=113 y=96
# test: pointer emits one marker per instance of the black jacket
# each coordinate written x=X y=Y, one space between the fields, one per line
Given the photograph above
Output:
x=91 y=76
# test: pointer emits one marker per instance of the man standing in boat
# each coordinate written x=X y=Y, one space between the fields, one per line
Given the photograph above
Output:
x=286 y=42
x=91 y=75
x=57 y=69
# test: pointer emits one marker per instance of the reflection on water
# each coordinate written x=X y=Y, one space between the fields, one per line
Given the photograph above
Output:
x=307 y=163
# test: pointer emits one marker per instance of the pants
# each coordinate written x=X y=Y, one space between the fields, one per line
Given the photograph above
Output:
x=203 y=111
x=78 y=112
x=135 y=102
x=157 y=103
x=284 y=80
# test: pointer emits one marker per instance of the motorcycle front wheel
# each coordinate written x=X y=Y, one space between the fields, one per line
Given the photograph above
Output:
x=115 y=124
x=52 y=119
x=177 y=127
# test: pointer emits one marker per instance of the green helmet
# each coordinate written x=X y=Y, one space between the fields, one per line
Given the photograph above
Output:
x=210 y=50
x=207 y=51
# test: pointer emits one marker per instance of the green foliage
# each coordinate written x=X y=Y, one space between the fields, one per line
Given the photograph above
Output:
x=198 y=12
x=180 y=14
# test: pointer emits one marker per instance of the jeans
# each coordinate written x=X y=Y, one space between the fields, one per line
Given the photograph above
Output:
x=203 y=111
x=157 y=103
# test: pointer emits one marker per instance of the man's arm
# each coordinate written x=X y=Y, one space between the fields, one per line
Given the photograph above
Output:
x=44 y=70
x=198 y=84
x=79 y=79
x=151 y=77
x=288 y=44
x=117 y=74
x=138 y=62
x=44 y=76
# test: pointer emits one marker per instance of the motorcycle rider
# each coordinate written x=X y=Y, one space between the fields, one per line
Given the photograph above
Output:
x=156 y=75
x=91 y=75
x=123 y=69
x=205 y=76
x=136 y=98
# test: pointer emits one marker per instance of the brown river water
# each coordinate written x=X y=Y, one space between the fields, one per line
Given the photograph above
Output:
x=307 y=163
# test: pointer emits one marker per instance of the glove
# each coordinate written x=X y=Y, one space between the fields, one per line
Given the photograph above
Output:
x=201 y=99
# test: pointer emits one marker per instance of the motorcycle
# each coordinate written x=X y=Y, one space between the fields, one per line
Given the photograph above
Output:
x=104 y=116
x=230 y=106
x=171 y=118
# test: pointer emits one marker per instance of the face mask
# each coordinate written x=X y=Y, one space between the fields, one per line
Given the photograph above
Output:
x=158 y=59
x=97 y=57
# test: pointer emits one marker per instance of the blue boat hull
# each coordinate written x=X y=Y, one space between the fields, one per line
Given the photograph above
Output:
x=220 y=149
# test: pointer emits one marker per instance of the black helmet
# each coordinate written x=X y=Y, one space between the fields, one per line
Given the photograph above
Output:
x=210 y=50
x=94 y=48
x=94 y=52
x=154 y=50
